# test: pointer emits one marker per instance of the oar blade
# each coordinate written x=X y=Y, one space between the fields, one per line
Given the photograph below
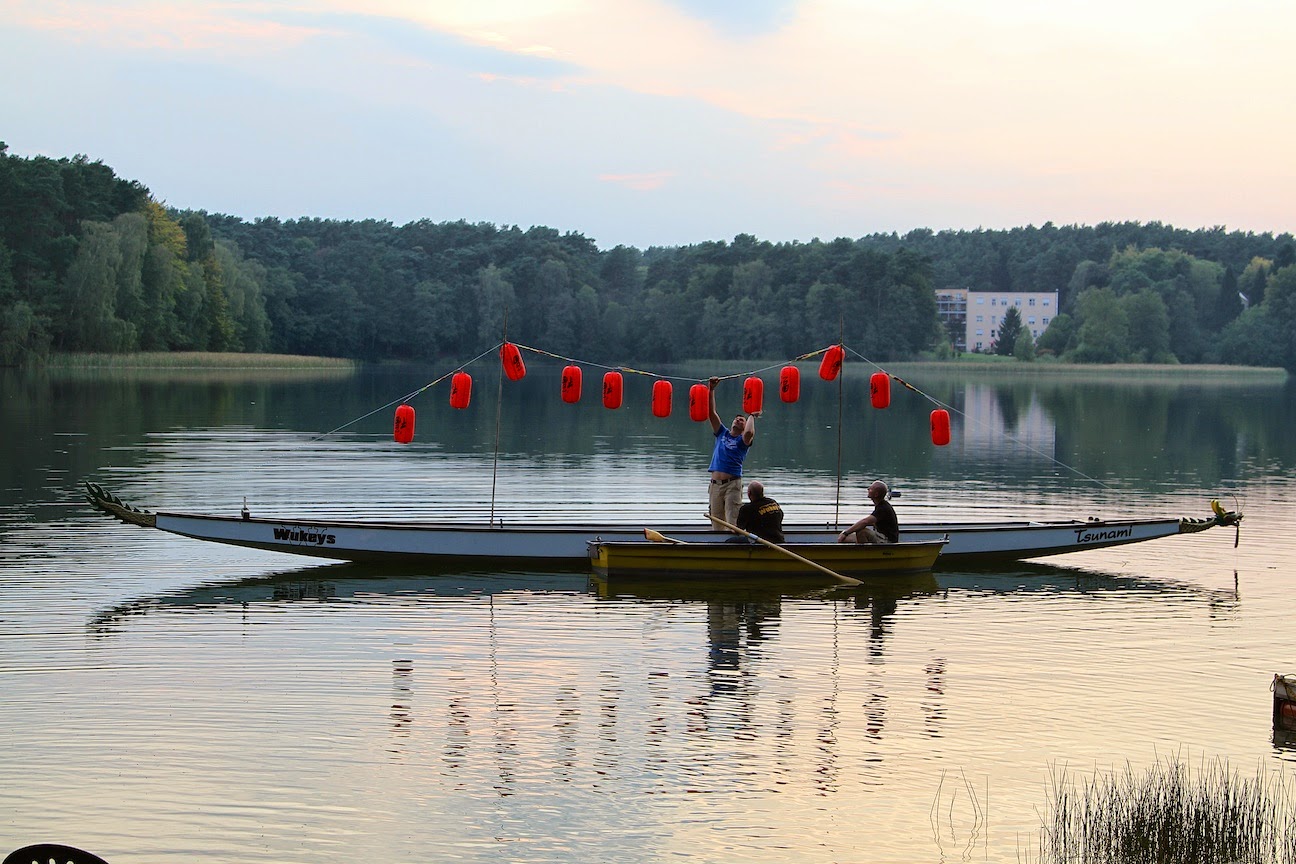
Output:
x=658 y=537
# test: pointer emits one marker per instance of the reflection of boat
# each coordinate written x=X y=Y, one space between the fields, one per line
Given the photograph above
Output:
x=1284 y=702
x=763 y=590
x=718 y=560
x=357 y=540
x=349 y=582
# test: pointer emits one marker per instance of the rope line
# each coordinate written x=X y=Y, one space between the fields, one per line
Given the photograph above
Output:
x=799 y=358
x=968 y=420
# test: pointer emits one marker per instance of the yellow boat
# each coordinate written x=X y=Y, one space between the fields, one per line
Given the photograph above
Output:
x=741 y=558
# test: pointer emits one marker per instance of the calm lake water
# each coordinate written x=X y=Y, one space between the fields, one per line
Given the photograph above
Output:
x=166 y=699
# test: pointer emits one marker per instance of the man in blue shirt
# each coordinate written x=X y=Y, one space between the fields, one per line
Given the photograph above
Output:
x=731 y=447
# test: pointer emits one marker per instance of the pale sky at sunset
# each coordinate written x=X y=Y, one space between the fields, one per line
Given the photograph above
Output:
x=665 y=122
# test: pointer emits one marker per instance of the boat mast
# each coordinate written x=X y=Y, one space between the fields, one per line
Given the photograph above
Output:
x=841 y=338
x=499 y=407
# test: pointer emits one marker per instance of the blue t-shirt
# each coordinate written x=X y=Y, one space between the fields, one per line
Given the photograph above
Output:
x=729 y=452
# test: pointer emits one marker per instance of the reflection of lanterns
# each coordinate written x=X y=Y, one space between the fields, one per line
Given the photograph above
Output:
x=699 y=402
x=403 y=428
x=511 y=357
x=940 y=427
x=832 y=362
x=790 y=384
x=612 y=387
x=661 y=398
x=753 y=395
x=460 y=390
x=571 y=383
x=880 y=389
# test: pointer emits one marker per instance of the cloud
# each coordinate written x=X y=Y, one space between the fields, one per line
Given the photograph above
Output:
x=639 y=182
x=785 y=118
x=740 y=18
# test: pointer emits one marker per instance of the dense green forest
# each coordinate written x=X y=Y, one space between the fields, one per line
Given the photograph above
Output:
x=91 y=262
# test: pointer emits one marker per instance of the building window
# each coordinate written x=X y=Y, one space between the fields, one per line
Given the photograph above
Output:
x=980 y=318
x=1046 y=302
x=1017 y=302
x=992 y=334
x=1044 y=321
x=1031 y=320
x=980 y=301
x=1032 y=301
x=980 y=333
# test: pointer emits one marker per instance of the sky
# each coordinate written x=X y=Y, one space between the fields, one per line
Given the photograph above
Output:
x=669 y=122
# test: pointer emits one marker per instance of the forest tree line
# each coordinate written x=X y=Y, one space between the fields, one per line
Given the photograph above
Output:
x=90 y=262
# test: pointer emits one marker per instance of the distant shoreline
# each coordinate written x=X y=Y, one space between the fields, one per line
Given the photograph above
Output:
x=1106 y=371
x=196 y=360
x=989 y=367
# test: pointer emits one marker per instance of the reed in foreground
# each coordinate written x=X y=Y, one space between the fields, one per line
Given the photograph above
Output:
x=1167 y=815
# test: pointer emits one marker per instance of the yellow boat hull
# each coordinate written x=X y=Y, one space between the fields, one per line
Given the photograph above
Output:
x=643 y=558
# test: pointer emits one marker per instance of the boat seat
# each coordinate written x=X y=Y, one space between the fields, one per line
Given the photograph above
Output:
x=52 y=853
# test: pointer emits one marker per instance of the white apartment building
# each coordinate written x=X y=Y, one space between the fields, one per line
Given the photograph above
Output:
x=976 y=316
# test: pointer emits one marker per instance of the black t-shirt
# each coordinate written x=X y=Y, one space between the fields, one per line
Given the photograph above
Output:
x=887 y=523
x=764 y=518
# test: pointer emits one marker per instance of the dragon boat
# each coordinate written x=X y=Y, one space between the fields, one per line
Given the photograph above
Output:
x=966 y=543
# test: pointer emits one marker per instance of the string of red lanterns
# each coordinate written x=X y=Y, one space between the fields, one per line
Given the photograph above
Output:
x=662 y=392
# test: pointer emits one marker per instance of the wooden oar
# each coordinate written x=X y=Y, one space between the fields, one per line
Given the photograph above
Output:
x=658 y=537
x=845 y=580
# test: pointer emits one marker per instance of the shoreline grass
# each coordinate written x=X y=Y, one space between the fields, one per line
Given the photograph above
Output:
x=204 y=360
x=1169 y=814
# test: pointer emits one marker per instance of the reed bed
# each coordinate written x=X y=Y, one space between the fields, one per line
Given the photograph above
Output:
x=1168 y=815
x=195 y=360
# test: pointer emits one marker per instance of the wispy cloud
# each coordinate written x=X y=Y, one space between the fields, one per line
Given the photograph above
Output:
x=789 y=117
x=639 y=182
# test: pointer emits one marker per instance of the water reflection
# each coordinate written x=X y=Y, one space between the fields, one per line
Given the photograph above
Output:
x=741 y=611
x=343 y=582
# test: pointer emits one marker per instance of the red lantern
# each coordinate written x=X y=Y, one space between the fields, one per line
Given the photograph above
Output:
x=460 y=390
x=753 y=395
x=571 y=383
x=940 y=427
x=403 y=429
x=511 y=357
x=699 y=402
x=832 y=362
x=790 y=384
x=612 y=387
x=880 y=389
x=661 y=398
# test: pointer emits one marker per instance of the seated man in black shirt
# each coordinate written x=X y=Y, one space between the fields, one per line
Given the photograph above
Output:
x=761 y=516
x=880 y=526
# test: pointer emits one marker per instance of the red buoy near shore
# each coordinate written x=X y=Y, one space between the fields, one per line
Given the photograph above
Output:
x=613 y=388
x=571 y=383
x=880 y=389
x=661 y=398
x=699 y=402
x=460 y=390
x=940 y=427
x=511 y=357
x=403 y=428
x=832 y=362
x=790 y=384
